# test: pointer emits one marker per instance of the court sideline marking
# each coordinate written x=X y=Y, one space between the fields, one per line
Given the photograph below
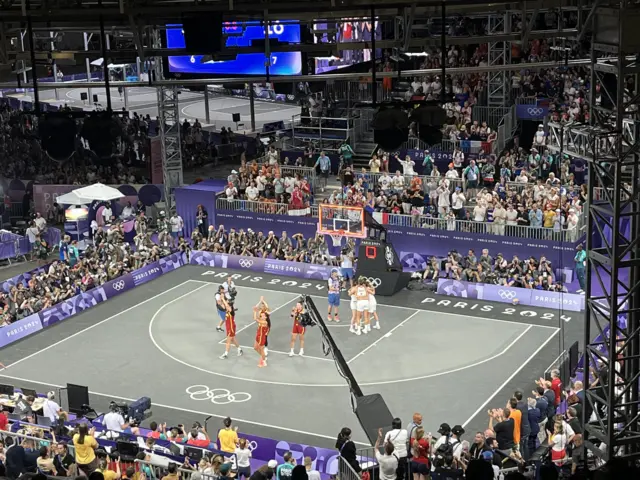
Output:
x=511 y=377
x=93 y=326
x=180 y=409
x=388 y=334
x=461 y=314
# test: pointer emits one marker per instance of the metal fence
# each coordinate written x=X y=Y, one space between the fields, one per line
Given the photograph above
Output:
x=491 y=115
x=490 y=228
x=346 y=471
x=318 y=129
x=374 y=178
x=265 y=207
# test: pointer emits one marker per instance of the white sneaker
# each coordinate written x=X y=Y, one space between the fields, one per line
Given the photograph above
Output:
x=240 y=352
x=266 y=352
x=352 y=330
x=223 y=356
x=291 y=354
x=358 y=331
x=301 y=352
x=377 y=326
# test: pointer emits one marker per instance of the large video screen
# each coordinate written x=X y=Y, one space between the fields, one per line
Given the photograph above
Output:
x=240 y=35
x=349 y=30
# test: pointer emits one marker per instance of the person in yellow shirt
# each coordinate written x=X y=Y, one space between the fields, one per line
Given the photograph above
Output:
x=85 y=445
x=548 y=217
x=103 y=467
x=228 y=437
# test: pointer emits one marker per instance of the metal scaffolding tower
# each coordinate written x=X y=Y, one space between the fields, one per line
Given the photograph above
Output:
x=169 y=126
x=613 y=234
x=499 y=82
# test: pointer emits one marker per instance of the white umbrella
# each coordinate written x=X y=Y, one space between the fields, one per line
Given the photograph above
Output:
x=99 y=193
x=72 y=199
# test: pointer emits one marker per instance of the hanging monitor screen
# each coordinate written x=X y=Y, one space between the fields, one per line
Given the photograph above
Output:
x=347 y=31
x=240 y=35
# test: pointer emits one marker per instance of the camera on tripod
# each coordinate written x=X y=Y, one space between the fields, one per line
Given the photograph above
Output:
x=134 y=413
x=232 y=293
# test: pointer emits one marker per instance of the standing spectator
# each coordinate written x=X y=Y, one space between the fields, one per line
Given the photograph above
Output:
x=324 y=162
x=535 y=416
x=398 y=437
x=63 y=459
x=581 y=263
x=40 y=222
x=311 y=473
x=503 y=428
x=284 y=470
x=387 y=461
x=470 y=176
x=228 y=437
x=50 y=408
x=243 y=458
x=525 y=426
x=347 y=449
x=32 y=234
x=420 y=455
x=107 y=214
x=177 y=224
x=202 y=220
x=85 y=445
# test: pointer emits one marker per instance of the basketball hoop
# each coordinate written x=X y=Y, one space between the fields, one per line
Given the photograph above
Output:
x=337 y=238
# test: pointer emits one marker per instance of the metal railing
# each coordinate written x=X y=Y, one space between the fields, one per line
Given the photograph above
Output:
x=318 y=129
x=346 y=471
x=374 y=179
x=265 y=207
x=526 y=101
x=491 y=115
x=485 y=228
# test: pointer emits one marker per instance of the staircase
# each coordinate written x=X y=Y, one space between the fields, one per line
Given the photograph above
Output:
x=363 y=151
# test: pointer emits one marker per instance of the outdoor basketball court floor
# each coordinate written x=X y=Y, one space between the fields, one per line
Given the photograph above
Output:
x=159 y=340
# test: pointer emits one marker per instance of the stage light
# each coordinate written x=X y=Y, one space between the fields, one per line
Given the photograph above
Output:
x=390 y=127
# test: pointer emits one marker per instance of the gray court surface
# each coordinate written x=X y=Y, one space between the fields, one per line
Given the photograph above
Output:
x=449 y=362
x=145 y=101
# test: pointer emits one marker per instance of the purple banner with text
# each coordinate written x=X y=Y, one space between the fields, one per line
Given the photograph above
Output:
x=20 y=329
x=504 y=294
x=261 y=265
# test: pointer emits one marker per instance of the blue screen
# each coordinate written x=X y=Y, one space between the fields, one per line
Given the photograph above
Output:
x=240 y=35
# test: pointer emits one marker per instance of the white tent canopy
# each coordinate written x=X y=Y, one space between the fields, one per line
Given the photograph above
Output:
x=71 y=199
x=98 y=192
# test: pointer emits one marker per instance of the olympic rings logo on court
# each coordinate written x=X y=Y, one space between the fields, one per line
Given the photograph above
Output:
x=218 y=396
x=245 y=263
x=375 y=282
x=535 y=112
x=507 y=294
x=118 y=285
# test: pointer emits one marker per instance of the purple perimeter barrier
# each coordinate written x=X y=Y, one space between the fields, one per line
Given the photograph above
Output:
x=499 y=293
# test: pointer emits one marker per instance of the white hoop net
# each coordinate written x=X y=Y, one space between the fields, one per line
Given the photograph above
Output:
x=337 y=239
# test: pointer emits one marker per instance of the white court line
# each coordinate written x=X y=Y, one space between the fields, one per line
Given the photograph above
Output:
x=385 y=336
x=462 y=313
x=180 y=409
x=554 y=362
x=92 y=326
x=511 y=377
x=280 y=352
x=222 y=342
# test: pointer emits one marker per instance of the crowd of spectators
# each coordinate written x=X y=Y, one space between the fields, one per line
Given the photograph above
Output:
x=294 y=248
x=533 y=273
x=22 y=156
x=269 y=182
x=76 y=271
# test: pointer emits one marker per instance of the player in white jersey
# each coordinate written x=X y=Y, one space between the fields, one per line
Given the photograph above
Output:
x=362 y=306
x=373 y=305
x=353 y=304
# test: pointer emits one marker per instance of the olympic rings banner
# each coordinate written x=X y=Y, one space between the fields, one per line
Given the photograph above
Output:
x=521 y=296
x=531 y=112
x=262 y=265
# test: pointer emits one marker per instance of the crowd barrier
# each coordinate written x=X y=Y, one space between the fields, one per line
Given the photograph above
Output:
x=61 y=311
x=265 y=206
x=521 y=296
x=14 y=246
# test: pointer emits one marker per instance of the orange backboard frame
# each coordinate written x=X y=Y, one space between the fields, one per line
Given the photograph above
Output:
x=325 y=211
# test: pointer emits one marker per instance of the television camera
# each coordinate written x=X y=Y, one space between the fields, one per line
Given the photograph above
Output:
x=134 y=413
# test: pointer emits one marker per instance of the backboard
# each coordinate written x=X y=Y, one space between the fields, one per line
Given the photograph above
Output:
x=342 y=220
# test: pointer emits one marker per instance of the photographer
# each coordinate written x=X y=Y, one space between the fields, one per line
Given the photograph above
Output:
x=114 y=421
x=453 y=267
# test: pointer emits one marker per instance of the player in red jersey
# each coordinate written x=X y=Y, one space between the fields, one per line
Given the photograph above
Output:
x=261 y=316
x=298 y=329
x=230 y=327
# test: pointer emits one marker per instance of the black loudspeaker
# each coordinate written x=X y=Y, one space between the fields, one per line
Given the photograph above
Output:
x=203 y=34
x=84 y=96
x=373 y=413
x=78 y=395
x=378 y=261
x=235 y=117
x=95 y=98
x=386 y=284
